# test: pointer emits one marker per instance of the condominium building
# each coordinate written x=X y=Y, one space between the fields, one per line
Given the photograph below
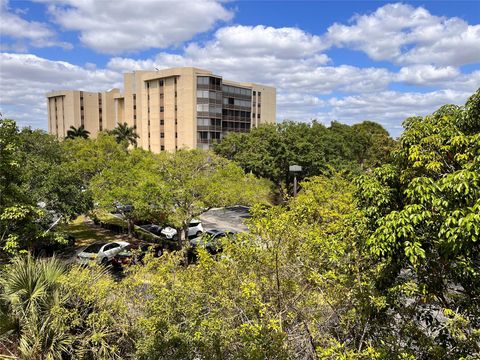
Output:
x=171 y=109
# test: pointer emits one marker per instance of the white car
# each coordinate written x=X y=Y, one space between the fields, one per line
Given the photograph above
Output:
x=100 y=252
x=195 y=228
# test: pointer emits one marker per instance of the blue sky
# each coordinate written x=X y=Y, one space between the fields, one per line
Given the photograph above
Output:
x=346 y=60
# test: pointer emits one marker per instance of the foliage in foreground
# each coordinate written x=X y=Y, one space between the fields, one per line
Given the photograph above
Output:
x=47 y=312
x=384 y=268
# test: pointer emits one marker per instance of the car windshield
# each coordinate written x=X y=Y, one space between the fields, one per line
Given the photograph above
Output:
x=94 y=248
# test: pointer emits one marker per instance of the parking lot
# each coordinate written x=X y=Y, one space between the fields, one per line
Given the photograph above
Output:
x=229 y=218
x=86 y=232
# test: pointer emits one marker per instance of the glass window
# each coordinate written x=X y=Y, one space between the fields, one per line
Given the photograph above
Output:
x=202 y=80
x=162 y=135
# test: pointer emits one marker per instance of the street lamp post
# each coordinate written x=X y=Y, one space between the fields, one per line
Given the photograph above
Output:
x=295 y=169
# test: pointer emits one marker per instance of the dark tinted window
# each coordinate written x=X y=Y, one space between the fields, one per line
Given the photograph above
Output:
x=94 y=248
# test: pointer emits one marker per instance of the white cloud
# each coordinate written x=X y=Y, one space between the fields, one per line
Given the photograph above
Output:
x=114 y=27
x=408 y=35
x=25 y=33
x=288 y=58
x=309 y=84
x=25 y=80
x=389 y=108
x=444 y=77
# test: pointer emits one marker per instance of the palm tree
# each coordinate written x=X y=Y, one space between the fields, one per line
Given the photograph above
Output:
x=29 y=290
x=123 y=132
x=77 y=132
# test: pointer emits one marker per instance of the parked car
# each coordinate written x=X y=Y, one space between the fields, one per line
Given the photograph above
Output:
x=195 y=229
x=153 y=228
x=134 y=253
x=210 y=240
x=101 y=252
x=123 y=208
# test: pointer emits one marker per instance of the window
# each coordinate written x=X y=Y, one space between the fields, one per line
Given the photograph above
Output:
x=111 y=246
x=134 y=117
x=202 y=80
x=162 y=135
x=176 y=135
x=202 y=107
x=162 y=122
x=160 y=82
x=258 y=116
x=161 y=109
x=162 y=147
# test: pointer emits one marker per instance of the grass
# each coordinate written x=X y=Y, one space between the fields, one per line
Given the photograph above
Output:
x=86 y=233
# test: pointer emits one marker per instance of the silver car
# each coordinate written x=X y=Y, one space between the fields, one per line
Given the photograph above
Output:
x=100 y=252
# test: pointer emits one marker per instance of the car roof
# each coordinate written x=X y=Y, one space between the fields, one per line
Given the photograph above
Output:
x=123 y=243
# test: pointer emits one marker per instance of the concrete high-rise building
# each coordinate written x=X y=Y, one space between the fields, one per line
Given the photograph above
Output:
x=172 y=109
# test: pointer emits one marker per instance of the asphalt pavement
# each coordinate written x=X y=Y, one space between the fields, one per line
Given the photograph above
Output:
x=229 y=218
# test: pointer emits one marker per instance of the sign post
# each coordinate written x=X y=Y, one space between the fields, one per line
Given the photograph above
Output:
x=295 y=169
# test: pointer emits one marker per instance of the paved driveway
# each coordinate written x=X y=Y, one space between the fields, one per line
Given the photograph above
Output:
x=230 y=218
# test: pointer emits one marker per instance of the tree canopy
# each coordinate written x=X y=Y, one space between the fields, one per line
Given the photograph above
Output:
x=268 y=150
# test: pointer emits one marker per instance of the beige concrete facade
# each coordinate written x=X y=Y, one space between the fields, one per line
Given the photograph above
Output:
x=172 y=108
x=95 y=111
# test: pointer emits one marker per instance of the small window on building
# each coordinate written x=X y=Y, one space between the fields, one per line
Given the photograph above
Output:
x=162 y=135
x=161 y=109
x=162 y=147
x=162 y=122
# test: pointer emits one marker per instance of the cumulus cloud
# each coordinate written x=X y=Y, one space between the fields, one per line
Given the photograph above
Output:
x=27 y=78
x=389 y=108
x=114 y=27
x=287 y=58
x=25 y=33
x=407 y=35
x=310 y=85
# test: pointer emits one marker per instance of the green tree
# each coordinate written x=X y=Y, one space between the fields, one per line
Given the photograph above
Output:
x=80 y=132
x=197 y=180
x=424 y=213
x=133 y=180
x=36 y=186
x=268 y=150
x=123 y=132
